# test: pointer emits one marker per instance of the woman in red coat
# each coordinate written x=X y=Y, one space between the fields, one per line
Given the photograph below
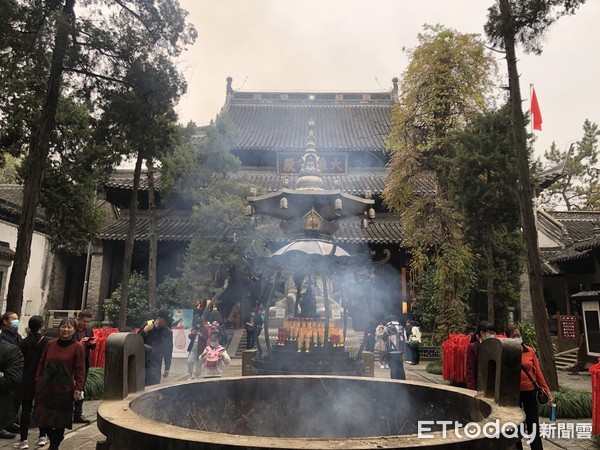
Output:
x=59 y=382
x=531 y=366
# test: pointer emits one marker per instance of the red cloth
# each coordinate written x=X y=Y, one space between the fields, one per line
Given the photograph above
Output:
x=595 y=371
x=536 y=113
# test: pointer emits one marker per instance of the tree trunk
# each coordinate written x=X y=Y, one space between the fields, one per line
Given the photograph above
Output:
x=129 y=240
x=152 y=261
x=38 y=154
x=540 y=315
x=489 y=259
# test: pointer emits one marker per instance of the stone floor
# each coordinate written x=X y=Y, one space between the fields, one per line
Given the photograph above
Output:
x=84 y=437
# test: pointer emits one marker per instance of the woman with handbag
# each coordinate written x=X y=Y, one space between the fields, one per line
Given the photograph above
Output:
x=532 y=382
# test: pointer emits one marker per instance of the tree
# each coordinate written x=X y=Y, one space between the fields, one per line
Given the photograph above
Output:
x=141 y=118
x=485 y=193
x=49 y=53
x=575 y=189
x=525 y=22
x=448 y=79
x=203 y=174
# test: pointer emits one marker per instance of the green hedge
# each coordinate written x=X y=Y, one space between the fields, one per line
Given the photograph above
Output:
x=94 y=385
x=570 y=404
x=434 y=367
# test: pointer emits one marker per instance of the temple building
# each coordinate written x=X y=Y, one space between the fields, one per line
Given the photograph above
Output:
x=350 y=131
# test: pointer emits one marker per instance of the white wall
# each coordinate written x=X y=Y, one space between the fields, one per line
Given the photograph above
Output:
x=37 y=282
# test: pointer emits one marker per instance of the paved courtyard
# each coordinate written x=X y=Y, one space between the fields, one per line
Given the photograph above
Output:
x=84 y=437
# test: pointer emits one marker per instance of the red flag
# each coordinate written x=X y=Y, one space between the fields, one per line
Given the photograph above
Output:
x=536 y=114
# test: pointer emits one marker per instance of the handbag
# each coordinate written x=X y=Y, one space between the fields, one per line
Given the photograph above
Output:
x=541 y=396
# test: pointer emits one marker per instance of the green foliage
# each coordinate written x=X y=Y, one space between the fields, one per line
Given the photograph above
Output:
x=9 y=169
x=579 y=187
x=449 y=78
x=434 y=367
x=570 y=404
x=201 y=173
x=484 y=191
x=528 y=334
x=94 y=385
x=531 y=19
x=168 y=295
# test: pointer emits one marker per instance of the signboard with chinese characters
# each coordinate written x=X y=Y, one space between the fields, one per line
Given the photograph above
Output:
x=329 y=163
x=568 y=327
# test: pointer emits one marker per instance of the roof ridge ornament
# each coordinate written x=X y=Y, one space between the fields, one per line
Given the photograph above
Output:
x=310 y=173
x=312 y=221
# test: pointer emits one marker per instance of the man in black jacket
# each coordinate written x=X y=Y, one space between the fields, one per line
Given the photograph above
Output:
x=158 y=335
x=11 y=371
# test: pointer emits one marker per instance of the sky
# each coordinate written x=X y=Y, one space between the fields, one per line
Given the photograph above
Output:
x=356 y=46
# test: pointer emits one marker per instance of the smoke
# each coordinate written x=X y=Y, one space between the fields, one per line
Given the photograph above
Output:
x=306 y=407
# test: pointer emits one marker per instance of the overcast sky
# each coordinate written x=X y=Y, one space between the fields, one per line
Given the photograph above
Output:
x=356 y=45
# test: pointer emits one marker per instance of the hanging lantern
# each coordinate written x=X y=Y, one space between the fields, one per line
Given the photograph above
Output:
x=371 y=213
x=249 y=210
x=364 y=223
x=337 y=204
x=283 y=203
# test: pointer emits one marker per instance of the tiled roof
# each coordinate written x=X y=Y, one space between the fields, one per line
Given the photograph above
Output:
x=384 y=230
x=580 y=224
x=123 y=179
x=585 y=294
x=11 y=202
x=6 y=253
x=355 y=183
x=279 y=121
x=171 y=228
x=579 y=233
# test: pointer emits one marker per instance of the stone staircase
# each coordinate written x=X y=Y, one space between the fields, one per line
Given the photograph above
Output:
x=565 y=360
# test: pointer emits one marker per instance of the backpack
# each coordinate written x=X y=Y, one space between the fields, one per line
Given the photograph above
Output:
x=395 y=338
x=212 y=356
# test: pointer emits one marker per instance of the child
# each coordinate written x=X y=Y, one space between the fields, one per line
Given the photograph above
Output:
x=198 y=340
x=214 y=356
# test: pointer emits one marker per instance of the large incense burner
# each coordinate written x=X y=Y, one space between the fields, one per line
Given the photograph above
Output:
x=302 y=412
x=309 y=333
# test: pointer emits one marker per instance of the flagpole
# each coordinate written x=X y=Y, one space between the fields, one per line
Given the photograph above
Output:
x=530 y=113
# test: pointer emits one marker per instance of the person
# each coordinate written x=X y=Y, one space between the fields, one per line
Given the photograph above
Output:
x=223 y=338
x=475 y=335
x=412 y=345
x=380 y=345
x=214 y=315
x=32 y=348
x=59 y=382
x=10 y=334
x=158 y=335
x=151 y=362
x=530 y=371
x=395 y=337
x=250 y=331
x=198 y=311
x=484 y=331
x=11 y=368
x=84 y=335
x=214 y=356
x=198 y=339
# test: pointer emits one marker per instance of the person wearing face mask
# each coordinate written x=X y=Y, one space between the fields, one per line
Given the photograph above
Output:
x=10 y=334
x=485 y=331
x=10 y=328
x=530 y=371
x=214 y=356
